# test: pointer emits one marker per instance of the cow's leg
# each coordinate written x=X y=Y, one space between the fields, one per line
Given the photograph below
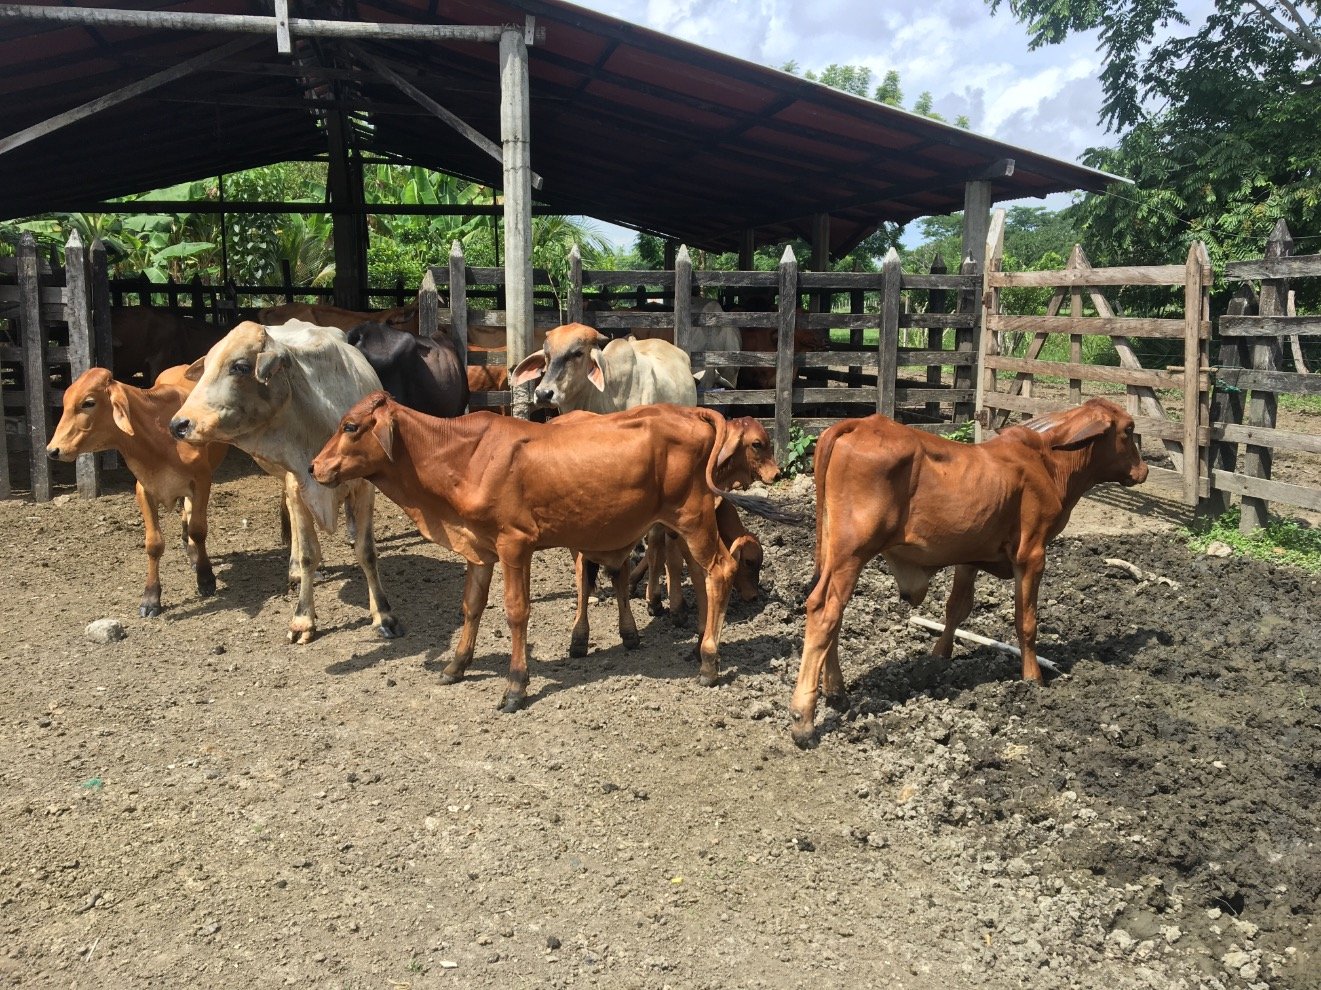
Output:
x=1027 y=580
x=825 y=612
x=476 y=590
x=718 y=567
x=657 y=538
x=517 y=573
x=360 y=503
x=155 y=546
x=194 y=524
x=628 y=628
x=957 y=608
x=674 y=558
x=581 y=626
x=302 y=628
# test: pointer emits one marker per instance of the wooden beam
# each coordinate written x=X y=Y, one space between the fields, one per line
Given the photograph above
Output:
x=976 y=219
x=282 y=43
x=132 y=90
x=516 y=156
x=381 y=68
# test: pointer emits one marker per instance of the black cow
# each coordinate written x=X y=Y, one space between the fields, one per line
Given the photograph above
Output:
x=420 y=372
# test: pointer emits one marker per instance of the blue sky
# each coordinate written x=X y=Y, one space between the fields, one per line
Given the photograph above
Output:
x=972 y=63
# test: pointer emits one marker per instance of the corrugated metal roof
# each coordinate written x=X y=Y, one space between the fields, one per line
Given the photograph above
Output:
x=628 y=125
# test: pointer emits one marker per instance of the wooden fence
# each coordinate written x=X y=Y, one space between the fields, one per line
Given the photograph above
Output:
x=1180 y=429
x=812 y=389
x=1251 y=367
x=39 y=360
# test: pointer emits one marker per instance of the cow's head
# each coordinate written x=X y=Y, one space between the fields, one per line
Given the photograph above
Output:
x=242 y=384
x=568 y=364
x=745 y=455
x=1104 y=432
x=95 y=416
x=362 y=446
x=402 y=318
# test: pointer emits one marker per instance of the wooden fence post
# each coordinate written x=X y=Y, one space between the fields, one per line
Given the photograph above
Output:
x=459 y=301
x=937 y=302
x=1266 y=354
x=36 y=381
x=787 y=301
x=857 y=305
x=683 y=300
x=428 y=307
x=78 y=314
x=575 y=310
x=1227 y=406
x=990 y=305
x=102 y=330
x=966 y=341
x=887 y=348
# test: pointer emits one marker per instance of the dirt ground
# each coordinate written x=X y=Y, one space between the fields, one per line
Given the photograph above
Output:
x=203 y=805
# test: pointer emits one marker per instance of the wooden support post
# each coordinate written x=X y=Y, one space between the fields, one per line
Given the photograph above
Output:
x=102 y=332
x=747 y=250
x=36 y=381
x=575 y=311
x=1227 y=407
x=857 y=336
x=887 y=356
x=784 y=353
x=78 y=313
x=990 y=306
x=349 y=228
x=820 y=302
x=671 y=247
x=1266 y=355
x=1075 y=346
x=937 y=302
x=683 y=300
x=458 y=294
x=516 y=152
x=976 y=220
x=967 y=340
x=1197 y=278
x=196 y=298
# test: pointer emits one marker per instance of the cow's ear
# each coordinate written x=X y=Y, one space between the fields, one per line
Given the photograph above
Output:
x=268 y=363
x=1084 y=435
x=733 y=439
x=596 y=375
x=532 y=366
x=383 y=431
x=119 y=408
x=194 y=372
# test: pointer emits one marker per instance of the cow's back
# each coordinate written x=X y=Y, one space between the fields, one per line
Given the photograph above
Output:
x=660 y=372
x=336 y=375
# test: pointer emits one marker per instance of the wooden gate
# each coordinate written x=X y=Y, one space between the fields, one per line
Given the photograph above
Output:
x=1169 y=406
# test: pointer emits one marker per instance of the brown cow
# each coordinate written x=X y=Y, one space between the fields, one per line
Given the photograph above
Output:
x=496 y=489
x=101 y=413
x=325 y=315
x=765 y=339
x=147 y=340
x=925 y=503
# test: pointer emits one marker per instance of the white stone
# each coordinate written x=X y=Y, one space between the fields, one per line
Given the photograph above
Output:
x=105 y=631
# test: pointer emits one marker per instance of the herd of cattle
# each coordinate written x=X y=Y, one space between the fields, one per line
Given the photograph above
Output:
x=340 y=412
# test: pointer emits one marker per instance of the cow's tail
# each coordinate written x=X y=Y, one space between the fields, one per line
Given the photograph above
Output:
x=825 y=444
x=758 y=505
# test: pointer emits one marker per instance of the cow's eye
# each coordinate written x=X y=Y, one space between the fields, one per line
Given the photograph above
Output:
x=350 y=427
x=575 y=355
x=1129 y=429
x=758 y=445
x=88 y=403
x=240 y=368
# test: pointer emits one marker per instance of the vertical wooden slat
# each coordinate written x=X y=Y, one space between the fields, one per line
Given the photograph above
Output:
x=458 y=292
x=994 y=254
x=516 y=152
x=36 y=381
x=428 y=307
x=574 y=310
x=1227 y=406
x=102 y=331
x=966 y=340
x=1075 y=346
x=937 y=302
x=1193 y=291
x=976 y=220
x=857 y=305
x=671 y=249
x=78 y=313
x=683 y=300
x=887 y=348
x=1266 y=354
x=747 y=249
x=784 y=353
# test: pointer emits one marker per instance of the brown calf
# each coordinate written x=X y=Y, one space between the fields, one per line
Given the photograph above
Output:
x=496 y=489
x=925 y=503
x=101 y=413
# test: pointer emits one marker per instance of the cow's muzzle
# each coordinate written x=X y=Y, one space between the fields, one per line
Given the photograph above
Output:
x=544 y=396
x=180 y=427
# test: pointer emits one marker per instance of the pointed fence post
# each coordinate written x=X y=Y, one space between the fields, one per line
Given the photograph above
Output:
x=1266 y=354
x=36 y=381
x=574 y=311
x=784 y=354
x=887 y=355
x=428 y=307
x=966 y=341
x=78 y=314
x=990 y=306
x=937 y=302
x=683 y=300
x=103 y=354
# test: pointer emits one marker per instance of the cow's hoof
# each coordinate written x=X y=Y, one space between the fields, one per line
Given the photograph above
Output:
x=206 y=585
x=510 y=703
x=389 y=628
x=149 y=611
x=448 y=678
x=679 y=618
x=708 y=679
x=578 y=647
x=632 y=640
x=802 y=729
x=655 y=606
x=301 y=637
x=839 y=702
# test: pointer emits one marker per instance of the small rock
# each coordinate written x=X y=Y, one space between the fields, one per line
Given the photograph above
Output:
x=552 y=942
x=1122 y=940
x=760 y=709
x=218 y=649
x=105 y=631
x=1218 y=549
x=1235 y=960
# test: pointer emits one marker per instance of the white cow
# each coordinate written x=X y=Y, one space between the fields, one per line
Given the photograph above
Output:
x=278 y=393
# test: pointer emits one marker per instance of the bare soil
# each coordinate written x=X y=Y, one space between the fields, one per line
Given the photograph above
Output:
x=203 y=805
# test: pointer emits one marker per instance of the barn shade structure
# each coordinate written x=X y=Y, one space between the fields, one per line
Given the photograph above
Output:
x=601 y=117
